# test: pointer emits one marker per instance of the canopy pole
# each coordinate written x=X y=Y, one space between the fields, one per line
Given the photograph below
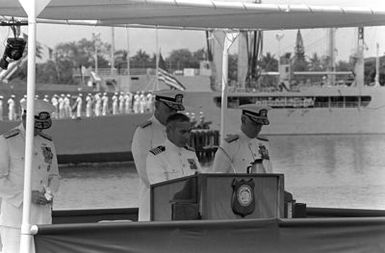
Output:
x=26 y=236
x=33 y=9
x=229 y=40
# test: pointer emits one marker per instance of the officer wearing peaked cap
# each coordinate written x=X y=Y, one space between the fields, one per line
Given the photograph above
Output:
x=246 y=152
x=44 y=174
x=173 y=159
x=149 y=135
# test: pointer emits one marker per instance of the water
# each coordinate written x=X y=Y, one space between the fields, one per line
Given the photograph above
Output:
x=340 y=171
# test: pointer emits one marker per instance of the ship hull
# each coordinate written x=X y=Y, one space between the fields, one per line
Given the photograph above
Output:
x=109 y=138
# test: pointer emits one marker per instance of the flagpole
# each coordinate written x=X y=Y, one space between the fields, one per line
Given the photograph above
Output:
x=229 y=40
x=157 y=58
x=128 y=58
x=112 y=50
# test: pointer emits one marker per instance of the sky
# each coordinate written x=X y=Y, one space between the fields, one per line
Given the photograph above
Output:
x=315 y=40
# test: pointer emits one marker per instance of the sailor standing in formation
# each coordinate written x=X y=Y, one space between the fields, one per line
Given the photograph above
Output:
x=55 y=103
x=1 y=107
x=44 y=180
x=89 y=105
x=121 y=102
x=174 y=158
x=98 y=102
x=128 y=103
x=246 y=152
x=11 y=108
x=78 y=105
x=149 y=135
x=67 y=106
x=21 y=101
x=104 y=104
x=115 y=104
x=61 y=107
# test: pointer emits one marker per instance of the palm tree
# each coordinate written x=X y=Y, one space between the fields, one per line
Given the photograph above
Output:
x=315 y=63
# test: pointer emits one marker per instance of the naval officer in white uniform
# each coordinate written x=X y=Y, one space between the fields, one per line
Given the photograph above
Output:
x=174 y=158
x=45 y=176
x=246 y=151
x=148 y=135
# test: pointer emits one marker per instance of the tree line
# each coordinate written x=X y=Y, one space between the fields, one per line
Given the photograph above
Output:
x=69 y=56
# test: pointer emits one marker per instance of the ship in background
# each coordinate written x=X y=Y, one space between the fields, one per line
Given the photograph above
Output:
x=307 y=108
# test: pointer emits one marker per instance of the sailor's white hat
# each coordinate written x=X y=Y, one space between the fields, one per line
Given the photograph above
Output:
x=40 y=107
x=171 y=98
x=256 y=113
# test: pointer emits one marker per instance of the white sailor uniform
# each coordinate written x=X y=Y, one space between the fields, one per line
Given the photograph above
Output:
x=169 y=161
x=239 y=152
x=148 y=135
x=45 y=176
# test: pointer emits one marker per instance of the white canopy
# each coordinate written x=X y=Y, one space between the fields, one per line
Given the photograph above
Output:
x=193 y=14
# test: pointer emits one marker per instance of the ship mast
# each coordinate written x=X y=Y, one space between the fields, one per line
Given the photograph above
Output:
x=332 y=56
x=359 y=58
x=377 y=77
x=249 y=50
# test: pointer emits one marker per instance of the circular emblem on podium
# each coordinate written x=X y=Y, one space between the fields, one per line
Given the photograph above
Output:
x=243 y=199
x=244 y=195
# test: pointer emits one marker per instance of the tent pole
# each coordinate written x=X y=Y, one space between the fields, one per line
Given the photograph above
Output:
x=26 y=236
x=33 y=9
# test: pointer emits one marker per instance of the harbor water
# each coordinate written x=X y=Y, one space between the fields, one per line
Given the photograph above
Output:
x=337 y=171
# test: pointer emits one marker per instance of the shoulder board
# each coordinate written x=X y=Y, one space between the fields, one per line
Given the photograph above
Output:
x=158 y=150
x=11 y=133
x=262 y=138
x=231 y=138
x=45 y=136
x=146 y=124
x=189 y=148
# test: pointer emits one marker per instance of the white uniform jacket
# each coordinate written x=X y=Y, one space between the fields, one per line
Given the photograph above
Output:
x=45 y=174
x=148 y=135
x=239 y=151
x=169 y=161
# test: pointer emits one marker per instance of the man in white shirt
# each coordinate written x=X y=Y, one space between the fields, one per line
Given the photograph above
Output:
x=44 y=179
x=61 y=106
x=174 y=158
x=121 y=103
x=115 y=103
x=148 y=135
x=55 y=103
x=104 y=104
x=98 y=102
x=246 y=152
x=1 y=107
x=67 y=106
x=89 y=105
x=11 y=108
x=79 y=105
x=128 y=102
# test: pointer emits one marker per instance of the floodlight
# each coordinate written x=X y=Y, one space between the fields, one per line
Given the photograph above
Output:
x=13 y=51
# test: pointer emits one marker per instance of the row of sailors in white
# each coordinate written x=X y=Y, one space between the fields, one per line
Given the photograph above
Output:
x=123 y=103
x=159 y=157
x=12 y=115
x=96 y=105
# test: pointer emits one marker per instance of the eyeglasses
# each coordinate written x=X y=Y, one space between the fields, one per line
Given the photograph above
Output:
x=43 y=116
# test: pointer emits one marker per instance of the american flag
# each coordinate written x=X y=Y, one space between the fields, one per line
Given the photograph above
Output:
x=169 y=80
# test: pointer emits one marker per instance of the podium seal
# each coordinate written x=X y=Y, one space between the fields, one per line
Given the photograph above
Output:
x=243 y=199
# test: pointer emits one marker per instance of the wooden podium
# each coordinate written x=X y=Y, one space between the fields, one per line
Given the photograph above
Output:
x=218 y=196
